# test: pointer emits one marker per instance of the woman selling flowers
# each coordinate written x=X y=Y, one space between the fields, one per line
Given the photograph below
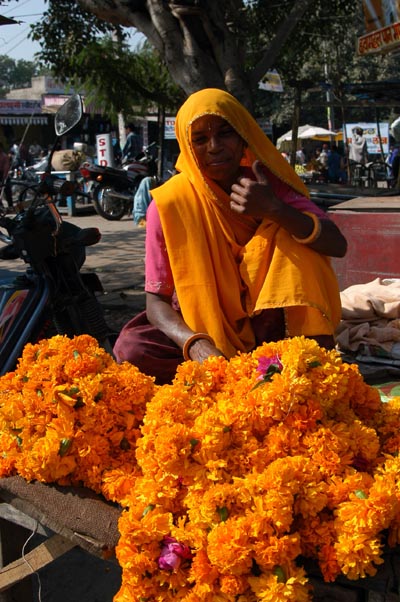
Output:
x=236 y=253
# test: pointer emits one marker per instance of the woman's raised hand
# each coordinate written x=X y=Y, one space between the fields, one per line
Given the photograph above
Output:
x=255 y=197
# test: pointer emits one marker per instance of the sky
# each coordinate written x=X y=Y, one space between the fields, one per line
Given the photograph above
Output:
x=14 y=40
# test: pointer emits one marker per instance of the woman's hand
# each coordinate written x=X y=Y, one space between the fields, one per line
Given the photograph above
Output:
x=163 y=316
x=256 y=198
x=201 y=349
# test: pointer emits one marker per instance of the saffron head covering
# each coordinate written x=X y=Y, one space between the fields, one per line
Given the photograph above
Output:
x=229 y=267
x=213 y=101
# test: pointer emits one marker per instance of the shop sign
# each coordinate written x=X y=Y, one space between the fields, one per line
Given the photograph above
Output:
x=271 y=82
x=104 y=149
x=19 y=107
x=380 y=41
x=266 y=126
x=169 y=128
x=382 y=26
x=55 y=101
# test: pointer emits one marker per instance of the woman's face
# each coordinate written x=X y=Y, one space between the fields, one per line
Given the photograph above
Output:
x=218 y=149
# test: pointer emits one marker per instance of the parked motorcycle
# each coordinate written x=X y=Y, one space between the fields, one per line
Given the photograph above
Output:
x=52 y=296
x=113 y=188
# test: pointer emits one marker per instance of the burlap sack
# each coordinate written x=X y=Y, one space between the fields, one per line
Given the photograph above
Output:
x=67 y=160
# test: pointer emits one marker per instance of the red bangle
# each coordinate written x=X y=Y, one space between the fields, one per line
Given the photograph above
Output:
x=316 y=232
x=194 y=337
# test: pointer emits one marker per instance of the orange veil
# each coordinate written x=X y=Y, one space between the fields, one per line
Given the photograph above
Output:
x=227 y=268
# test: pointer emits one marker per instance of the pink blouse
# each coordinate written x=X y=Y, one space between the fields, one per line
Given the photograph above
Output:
x=158 y=275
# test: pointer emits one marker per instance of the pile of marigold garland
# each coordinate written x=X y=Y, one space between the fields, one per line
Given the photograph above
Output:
x=228 y=477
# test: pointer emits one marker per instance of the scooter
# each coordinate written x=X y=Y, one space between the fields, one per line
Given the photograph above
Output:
x=113 y=188
x=52 y=296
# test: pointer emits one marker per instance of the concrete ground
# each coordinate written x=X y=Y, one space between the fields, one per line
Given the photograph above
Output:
x=118 y=260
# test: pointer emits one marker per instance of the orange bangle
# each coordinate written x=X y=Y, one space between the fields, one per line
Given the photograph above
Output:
x=316 y=232
x=194 y=337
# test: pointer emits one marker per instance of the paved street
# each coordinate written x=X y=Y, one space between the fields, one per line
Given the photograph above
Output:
x=118 y=260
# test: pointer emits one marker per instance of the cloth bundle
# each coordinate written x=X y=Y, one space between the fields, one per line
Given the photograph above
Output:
x=370 y=322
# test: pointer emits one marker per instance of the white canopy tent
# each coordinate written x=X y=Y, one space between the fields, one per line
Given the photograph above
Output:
x=304 y=132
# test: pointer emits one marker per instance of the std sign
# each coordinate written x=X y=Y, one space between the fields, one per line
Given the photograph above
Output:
x=104 y=150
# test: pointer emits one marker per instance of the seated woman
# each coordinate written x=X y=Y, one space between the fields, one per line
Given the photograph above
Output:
x=236 y=253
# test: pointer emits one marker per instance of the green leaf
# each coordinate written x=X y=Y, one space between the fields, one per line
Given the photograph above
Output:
x=148 y=508
x=280 y=574
x=361 y=494
x=267 y=377
x=314 y=364
x=223 y=513
x=65 y=446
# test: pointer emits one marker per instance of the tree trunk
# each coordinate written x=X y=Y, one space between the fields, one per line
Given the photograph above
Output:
x=199 y=47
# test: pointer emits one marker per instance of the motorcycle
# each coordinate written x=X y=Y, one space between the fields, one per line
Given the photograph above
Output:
x=113 y=188
x=52 y=296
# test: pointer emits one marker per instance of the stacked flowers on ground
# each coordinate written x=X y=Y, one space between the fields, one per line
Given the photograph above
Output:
x=242 y=467
x=70 y=415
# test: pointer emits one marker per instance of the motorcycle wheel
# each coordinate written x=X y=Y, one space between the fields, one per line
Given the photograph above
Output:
x=109 y=207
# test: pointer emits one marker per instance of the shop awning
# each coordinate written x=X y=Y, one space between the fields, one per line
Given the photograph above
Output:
x=21 y=120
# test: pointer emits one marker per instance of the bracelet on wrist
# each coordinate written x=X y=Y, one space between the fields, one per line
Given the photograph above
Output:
x=192 y=339
x=316 y=231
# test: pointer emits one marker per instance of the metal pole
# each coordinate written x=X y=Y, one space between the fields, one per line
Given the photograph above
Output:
x=295 y=123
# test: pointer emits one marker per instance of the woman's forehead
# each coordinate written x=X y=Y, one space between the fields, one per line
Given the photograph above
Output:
x=205 y=122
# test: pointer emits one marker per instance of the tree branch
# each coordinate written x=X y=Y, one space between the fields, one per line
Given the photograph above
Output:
x=275 y=48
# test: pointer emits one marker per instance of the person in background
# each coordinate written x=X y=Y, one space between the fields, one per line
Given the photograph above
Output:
x=142 y=200
x=35 y=151
x=336 y=171
x=20 y=156
x=117 y=151
x=4 y=175
x=132 y=146
x=392 y=161
x=300 y=157
x=236 y=253
x=358 y=151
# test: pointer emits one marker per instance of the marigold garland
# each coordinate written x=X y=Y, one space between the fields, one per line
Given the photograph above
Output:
x=229 y=477
x=70 y=415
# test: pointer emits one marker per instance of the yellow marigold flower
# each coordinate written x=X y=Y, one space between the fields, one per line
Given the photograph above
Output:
x=229 y=548
x=358 y=556
x=233 y=585
x=285 y=584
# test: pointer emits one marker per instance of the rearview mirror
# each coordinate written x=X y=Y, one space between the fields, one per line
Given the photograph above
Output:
x=69 y=115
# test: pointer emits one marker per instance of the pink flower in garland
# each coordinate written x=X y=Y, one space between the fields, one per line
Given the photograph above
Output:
x=268 y=366
x=172 y=554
